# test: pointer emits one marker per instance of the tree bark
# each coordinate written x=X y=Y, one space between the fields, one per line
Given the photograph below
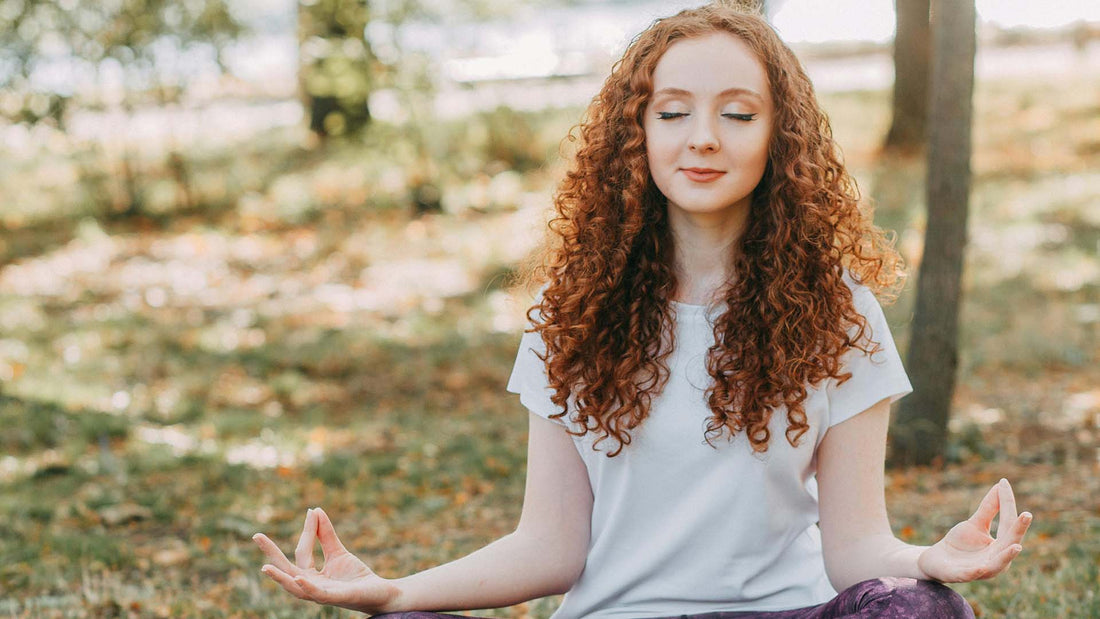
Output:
x=920 y=428
x=912 y=59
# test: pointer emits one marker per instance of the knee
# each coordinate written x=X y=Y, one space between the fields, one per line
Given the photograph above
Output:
x=908 y=597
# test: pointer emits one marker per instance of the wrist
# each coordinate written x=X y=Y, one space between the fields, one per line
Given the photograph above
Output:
x=398 y=598
x=905 y=560
x=922 y=573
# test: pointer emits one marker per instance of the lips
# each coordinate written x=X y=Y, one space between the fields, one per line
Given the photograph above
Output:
x=702 y=175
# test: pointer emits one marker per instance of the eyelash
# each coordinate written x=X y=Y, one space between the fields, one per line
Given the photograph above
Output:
x=674 y=115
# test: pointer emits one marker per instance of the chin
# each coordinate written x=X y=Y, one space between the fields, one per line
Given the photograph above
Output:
x=702 y=209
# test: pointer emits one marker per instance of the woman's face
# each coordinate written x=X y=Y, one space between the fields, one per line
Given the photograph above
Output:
x=708 y=124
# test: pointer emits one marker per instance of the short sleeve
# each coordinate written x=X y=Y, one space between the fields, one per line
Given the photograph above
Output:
x=529 y=380
x=874 y=377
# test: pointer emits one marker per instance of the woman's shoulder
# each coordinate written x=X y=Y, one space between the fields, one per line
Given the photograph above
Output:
x=862 y=294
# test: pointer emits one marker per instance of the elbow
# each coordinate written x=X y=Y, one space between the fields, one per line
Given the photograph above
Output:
x=837 y=580
x=561 y=563
x=565 y=582
x=838 y=567
x=565 y=566
x=571 y=573
x=832 y=572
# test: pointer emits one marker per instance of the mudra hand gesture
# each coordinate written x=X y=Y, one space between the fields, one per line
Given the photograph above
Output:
x=343 y=580
x=968 y=552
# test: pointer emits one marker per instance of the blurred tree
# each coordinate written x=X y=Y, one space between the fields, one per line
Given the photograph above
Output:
x=130 y=39
x=912 y=58
x=919 y=435
x=23 y=44
x=336 y=66
x=74 y=36
x=767 y=8
x=412 y=77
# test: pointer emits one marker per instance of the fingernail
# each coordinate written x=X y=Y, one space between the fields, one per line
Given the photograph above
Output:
x=255 y=536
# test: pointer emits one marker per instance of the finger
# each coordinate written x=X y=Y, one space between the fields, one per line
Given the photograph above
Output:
x=303 y=553
x=1023 y=522
x=286 y=581
x=983 y=516
x=330 y=543
x=1015 y=533
x=273 y=554
x=1026 y=518
x=315 y=591
x=1002 y=559
x=1008 y=508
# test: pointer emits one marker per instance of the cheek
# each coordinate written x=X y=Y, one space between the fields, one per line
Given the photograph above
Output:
x=761 y=148
x=659 y=154
x=660 y=137
x=652 y=144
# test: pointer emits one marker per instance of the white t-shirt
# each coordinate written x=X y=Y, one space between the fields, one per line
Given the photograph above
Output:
x=679 y=527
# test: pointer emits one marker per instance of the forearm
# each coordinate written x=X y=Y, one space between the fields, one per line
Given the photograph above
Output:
x=513 y=569
x=873 y=556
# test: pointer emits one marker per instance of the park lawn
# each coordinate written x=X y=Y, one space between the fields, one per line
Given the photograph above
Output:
x=172 y=388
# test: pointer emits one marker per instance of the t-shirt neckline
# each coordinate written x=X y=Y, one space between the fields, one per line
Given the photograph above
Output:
x=694 y=310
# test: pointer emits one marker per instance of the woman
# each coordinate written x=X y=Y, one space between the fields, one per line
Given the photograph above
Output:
x=708 y=373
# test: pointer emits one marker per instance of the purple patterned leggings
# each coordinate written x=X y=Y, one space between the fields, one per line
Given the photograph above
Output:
x=881 y=598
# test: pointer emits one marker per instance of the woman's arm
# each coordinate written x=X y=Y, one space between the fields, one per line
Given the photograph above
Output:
x=855 y=530
x=543 y=556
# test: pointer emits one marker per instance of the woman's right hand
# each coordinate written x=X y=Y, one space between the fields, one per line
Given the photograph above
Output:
x=343 y=580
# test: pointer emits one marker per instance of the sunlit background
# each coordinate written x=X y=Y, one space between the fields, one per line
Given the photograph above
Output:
x=255 y=256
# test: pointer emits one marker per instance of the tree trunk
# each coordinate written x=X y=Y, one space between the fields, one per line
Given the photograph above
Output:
x=132 y=202
x=912 y=57
x=335 y=65
x=920 y=428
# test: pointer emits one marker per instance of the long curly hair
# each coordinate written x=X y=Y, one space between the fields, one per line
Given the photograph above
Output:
x=606 y=268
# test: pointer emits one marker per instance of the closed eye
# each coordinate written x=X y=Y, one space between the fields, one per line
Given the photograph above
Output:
x=672 y=115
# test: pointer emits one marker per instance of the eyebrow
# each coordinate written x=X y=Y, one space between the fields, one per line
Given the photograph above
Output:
x=727 y=92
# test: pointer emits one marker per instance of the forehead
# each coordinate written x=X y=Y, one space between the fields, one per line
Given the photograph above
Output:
x=709 y=64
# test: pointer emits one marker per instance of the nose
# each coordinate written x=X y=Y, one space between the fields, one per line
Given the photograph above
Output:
x=703 y=138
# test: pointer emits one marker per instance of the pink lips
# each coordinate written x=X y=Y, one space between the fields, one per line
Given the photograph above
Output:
x=702 y=175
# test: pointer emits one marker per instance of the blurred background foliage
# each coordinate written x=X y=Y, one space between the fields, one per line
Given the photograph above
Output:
x=253 y=258
x=337 y=68
x=125 y=39
x=117 y=65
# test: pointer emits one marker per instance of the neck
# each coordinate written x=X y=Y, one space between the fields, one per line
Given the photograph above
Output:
x=705 y=244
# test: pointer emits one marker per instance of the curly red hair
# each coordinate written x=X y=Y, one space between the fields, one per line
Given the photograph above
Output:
x=605 y=313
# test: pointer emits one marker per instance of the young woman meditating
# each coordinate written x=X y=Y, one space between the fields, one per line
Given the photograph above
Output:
x=708 y=372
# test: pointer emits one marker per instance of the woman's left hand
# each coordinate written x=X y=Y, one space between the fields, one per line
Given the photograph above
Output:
x=968 y=552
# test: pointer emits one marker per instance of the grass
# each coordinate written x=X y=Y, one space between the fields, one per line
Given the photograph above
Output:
x=173 y=384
